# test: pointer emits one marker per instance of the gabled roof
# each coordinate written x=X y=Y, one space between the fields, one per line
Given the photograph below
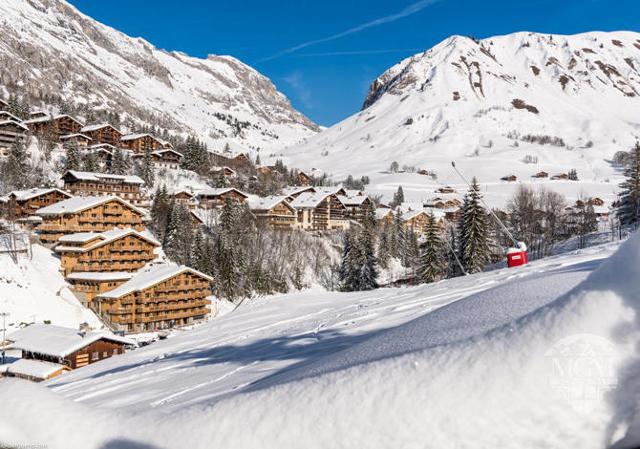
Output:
x=356 y=200
x=292 y=190
x=10 y=116
x=382 y=212
x=90 y=128
x=98 y=146
x=13 y=122
x=146 y=279
x=309 y=200
x=78 y=204
x=265 y=203
x=24 y=195
x=412 y=214
x=37 y=369
x=95 y=176
x=57 y=341
x=71 y=136
x=335 y=190
x=102 y=238
x=166 y=150
x=48 y=118
x=139 y=136
x=219 y=191
x=100 y=276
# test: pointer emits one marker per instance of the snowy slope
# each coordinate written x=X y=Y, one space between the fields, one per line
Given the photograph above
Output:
x=54 y=49
x=35 y=291
x=473 y=101
x=491 y=362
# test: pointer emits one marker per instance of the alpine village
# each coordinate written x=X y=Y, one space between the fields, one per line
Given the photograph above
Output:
x=148 y=259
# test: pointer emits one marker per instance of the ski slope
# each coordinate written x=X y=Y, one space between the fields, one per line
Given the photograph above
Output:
x=469 y=362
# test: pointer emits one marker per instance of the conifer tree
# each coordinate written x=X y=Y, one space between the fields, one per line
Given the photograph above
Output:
x=119 y=163
x=431 y=261
x=384 y=247
x=628 y=211
x=230 y=256
x=257 y=160
x=160 y=208
x=90 y=163
x=398 y=198
x=145 y=169
x=473 y=234
x=73 y=161
x=16 y=169
x=178 y=235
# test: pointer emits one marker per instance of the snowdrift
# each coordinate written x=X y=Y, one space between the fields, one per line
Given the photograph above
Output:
x=562 y=376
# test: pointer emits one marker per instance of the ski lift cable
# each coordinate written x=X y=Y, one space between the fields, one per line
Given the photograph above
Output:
x=504 y=228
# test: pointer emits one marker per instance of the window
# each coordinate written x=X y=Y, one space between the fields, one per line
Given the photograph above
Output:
x=105 y=354
x=94 y=356
x=115 y=351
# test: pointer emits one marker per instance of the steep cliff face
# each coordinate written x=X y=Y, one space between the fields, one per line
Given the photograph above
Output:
x=54 y=53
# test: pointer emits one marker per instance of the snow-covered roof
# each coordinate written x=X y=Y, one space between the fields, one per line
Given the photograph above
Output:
x=101 y=146
x=265 y=203
x=167 y=150
x=219 y=191
x=308 y=200
x=71 y=136
x=102 y=239
x=78 y=204
x=23 y=195
x=100 y=276
x=412 y=214
x=57 y=341
x=145 y=279
x=94 y=176
x=292 y=190
x=382 y=212
x=356 y=200
x=138 y=136
x=96 y=127
x=13 y=122
x=10 y=115
x=48 y=118
x=38 y=369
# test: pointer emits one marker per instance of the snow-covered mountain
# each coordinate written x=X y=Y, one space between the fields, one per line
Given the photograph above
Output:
x=53 y=50
x=569 y=101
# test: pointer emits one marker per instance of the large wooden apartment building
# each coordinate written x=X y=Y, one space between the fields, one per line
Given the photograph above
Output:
x=114 y=250
x=214 y=198
x=356 y=206
x=54 y=126
x=273 y=212
x=320 y=211
x=87 y=214
x=23 y=203
x=10 y=132
x=140 y=143
x=81 y=183
x=166 y=158
x=86 y=285
x=160 y=298
x=103 y=133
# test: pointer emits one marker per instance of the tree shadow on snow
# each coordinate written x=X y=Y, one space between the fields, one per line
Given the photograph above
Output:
x=124 y=443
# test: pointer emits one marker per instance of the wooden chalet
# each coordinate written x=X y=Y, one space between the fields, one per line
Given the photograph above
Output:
x=5 y=115
x=417 y=221
x=239 y=161
x=77 y=139
x=561 y=176
x=23 y=203
x=103 y=133
x=164 y=158
x=214 y=198
x=38 y=114
x=160 y=298
x=10 y=132
x=81 y=183
x=49 y=350
x=227 y=172
x=541 y=174
x=86 y=285
x=446 y=190
x=87 y=214
x=356 y=206
x=509 y=178
x=595 y=201
x=273 y=212
x=140 y=143
x=114 y=250
x=103 y=158
x=384 y=216
x=320 y=212
x=293 y=192
x=304 y=179
x=54 y=126
x=186 y=198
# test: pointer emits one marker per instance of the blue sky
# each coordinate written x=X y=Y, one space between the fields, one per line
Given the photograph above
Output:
x=323 y=55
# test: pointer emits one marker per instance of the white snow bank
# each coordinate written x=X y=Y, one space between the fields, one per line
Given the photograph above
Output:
x=561 y=376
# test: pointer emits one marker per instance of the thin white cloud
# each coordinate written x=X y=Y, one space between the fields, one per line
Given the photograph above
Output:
x=407 y=11
x=361 y=52
x=302 y=91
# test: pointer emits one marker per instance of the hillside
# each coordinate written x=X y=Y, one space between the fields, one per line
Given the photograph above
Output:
x=334 y=368
x=59 y=55
x=515 y=104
